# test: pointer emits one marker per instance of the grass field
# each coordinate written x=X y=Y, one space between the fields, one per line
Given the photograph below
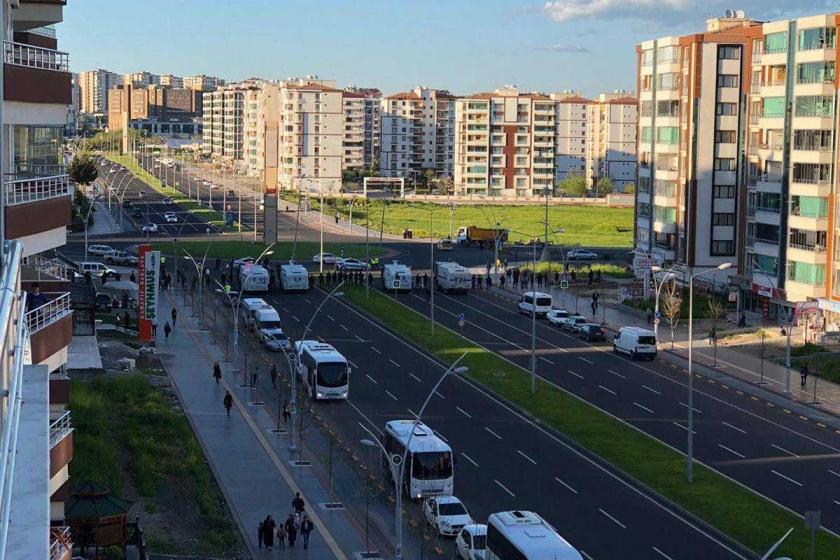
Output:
x=593 y=226
x=733 y=510
x=282 y=251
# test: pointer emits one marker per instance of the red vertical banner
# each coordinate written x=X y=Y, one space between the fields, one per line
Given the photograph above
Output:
x=144 y=323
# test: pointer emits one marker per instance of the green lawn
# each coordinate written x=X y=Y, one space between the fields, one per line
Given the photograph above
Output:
x=744 y=516
x=282 y=250
x=582 y=269
x=128 y=430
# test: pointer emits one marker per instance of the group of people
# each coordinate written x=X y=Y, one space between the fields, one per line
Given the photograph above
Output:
x=525 y=278
x=297 y=523
x=336 y=277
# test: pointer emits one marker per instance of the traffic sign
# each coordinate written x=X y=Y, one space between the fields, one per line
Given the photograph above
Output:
x=658 y=314
x=564 y=284
x=461 y=320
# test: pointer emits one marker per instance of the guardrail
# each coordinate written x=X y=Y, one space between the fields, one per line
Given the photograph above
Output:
x=60 y=542
x=22 y=191
x=60 y=429
x=21 y=54
x=41 y=317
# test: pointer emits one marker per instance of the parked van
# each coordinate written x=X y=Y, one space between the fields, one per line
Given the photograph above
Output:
x=294 y=278
x=253 y=278
x=530 y=300
x=95 y=268
x=396 y=277
x=636 y=342
x=452 y=277
x=267 y=321
x=248 y=306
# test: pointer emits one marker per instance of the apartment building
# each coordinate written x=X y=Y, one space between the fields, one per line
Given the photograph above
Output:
x=361 y=128
x=168 y=110
x=94 y=85
x=224 y=121
x=612 y=120
x=262 y=114
x=35 y=325
x=168 y=80
x=140 y=79
x=570 y=135
x=417 y=133
x=201 y=82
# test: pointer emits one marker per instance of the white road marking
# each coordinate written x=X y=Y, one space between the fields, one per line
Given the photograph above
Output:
x=438 y=393
x=393 y=362
x=372 y=379
x=586 y=555
x=531 y=460
x=412 y=412
x=330 y=317
x=415 y=377
x=321 y=339
x=468 y=458
x=360 y=339
x=777 y=473
x=306 y=300
x=783 y=450
x=502 y=486
x=730 y=450
x=353 y=365
x=643 y=407
x=836 y=502
x=464 y=412
x=652 y=390
x=610 y=391
x=835 y=473
x=546 y=360
x=736 y=428
x=569 y=488
x=390 y=394
x=680 y=426
x=613 y=519
x=576 y=374
x=284 y=309
x=375 y=349
x=697 y=410
x=662 y=554
x=345 y=328
x=295 y=318
x=618 y=374
x=492 y=432
x=585 y=360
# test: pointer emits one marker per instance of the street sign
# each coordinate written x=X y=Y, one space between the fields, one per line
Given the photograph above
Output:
x=564 y=284
x=656 y=321
x=733 y=295
x=658 y=314
x=461 y=320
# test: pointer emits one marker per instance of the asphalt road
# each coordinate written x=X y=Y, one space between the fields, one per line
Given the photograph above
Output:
x=504 y=460
x=782 y=455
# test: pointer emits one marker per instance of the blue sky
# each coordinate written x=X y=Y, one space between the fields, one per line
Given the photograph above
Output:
x=461 y=45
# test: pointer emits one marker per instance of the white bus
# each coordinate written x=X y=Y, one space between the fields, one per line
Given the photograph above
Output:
x=324 y=371
x=452 y=277
x=429 y=468
x=524 y=535
x=294 y=277
x=253 y=278
x=396 y=277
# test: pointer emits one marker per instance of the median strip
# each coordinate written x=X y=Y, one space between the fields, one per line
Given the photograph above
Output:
x=731 y=508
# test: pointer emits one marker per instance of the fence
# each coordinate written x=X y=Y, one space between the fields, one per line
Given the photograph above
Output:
x=22 y=191
x=31 y=56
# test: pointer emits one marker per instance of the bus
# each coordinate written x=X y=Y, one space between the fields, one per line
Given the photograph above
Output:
x=524 y=535
x=429 y=466
x=324 y=371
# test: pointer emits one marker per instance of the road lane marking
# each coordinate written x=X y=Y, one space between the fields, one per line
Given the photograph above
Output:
x=493 y=433
x=835 y=473
x=360 y=338
x=569 y=488
x=610 y=391
x=464 y=412
x=588 y=557
x=680 y=426
x=618 y=374
x=643 y=407
x=546 y=360
x=662 y=554
x=576 y=374
x=502 y=486
x=307 y=300
x=731 y=451
x=438 y=393
x=375 y=349
x=777 y=473
x=393 y=362
x=736 y=428
x=330 y=317
x=697 y=410
x=295 y=318
x=353 y=365
x=783 y=450
x=585 y=360
x=468 y=458
x=415 y=377
x=372 y=379
x=411 y=412
x=390 y=394
x=284 y=309
x=652 y=390
x=531 y=460
x=613 y=519
x=345 y=328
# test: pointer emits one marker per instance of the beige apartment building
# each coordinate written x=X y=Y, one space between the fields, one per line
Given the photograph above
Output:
x=200 y=82
x=612 y=120
x=417 y=133
x=94 y=86
x=361 y=128
x=168 y=80
x=224 y=121
x=140 y=79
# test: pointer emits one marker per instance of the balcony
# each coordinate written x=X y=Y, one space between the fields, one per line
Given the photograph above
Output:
x=61 y=443
x=51 y=328
x=36 y=74
x=61 y=544
x=38 y=205
x=60 y=429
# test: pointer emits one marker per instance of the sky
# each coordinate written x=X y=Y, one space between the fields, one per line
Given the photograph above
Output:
x=465 y=46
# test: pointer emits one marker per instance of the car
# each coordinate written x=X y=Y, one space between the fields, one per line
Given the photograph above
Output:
x=591 y=332
x=167 y=201
x=446 y=514
x=150 y=228
x=567 y=323
x=578 y=324
x=103 y=303
x=581 y=255
x=556 y=315
x=170 y=217
x=445 y=245
x=350 y=264
x=121 y=257
x=137 y=212
x=99 y=250
x=127 y=204
x=471 y=542
x=326 y=258
x=276 y=341
x=244 y=260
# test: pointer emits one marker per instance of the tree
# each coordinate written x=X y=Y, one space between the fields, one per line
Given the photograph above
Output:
x=83 y=170
x=671 y=307
x=629 y=189
x=716 y=312
x=573 y=185
x=604 y=186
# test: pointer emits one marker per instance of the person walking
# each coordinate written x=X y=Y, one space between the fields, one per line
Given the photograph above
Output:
x=298 y=503
x=228 y=402
x=166 y=330
x=260 y=534
x=291 y=530
x=217 y=372
x=306 y=527
x=287 y=412
x=174 y=317
x=273 y=374
x=268 y=529
x=803 y=374
x=281 y=536
x=154 y=327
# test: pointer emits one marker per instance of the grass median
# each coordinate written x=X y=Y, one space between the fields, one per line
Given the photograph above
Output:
x=282 y=251
x=735 y=511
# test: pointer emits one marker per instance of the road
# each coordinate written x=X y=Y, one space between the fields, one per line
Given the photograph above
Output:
x=784 y=456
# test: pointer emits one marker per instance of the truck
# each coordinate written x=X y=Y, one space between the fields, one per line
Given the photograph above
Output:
x=396 y=277
x=253 y=278
x=294 y=277
x=452 y=277
x=483 y=237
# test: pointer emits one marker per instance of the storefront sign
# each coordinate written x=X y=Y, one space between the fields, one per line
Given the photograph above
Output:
x=765 y=291
x=828 y=305
x=149 y=277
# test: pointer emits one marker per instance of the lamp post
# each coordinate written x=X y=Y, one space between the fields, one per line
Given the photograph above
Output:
x=690 y=454
x=785 y=331
x=657 y=289
x=199 y=269
x=397 y=462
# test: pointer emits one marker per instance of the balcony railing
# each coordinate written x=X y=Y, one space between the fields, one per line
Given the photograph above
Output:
x=60 y=542
x=21 y=54
x=22 y=191
x=60 y=429
x=812 y=181
x=771 y=209
x=814 y=247
x=47 y=314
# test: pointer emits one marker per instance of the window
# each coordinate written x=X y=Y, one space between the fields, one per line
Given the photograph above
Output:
x=815 y=73
x=727 y=80
x=817 y=38
x=723 y=247
x=729 y=53
x=665 y=214
x=669 y=80
x=775 y=43
x=669 y=108
x=727 y=109
x=667 y=134
x=647 y=134
x=724 y=164
x=812 y=140
x=723 y=219
x=644 y=184
x=646 y=109
x=813 y=274
x=723 y=191
x=765 y=264
x=814 y=106
x=668 y=54
x=773 y=107
x=725 y=136
x=647 y=57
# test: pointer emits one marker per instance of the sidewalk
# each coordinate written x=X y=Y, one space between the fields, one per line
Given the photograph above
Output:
x=104 y=222
x=251 y=463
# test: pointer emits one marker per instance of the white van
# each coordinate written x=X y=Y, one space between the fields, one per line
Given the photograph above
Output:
x=253 y=278
x=636 y=342
x=267 y=321
x=248 y=306
x=532 y=300
x=396 y=277
x=452 y=277
x=95 y=268
x=294 y=277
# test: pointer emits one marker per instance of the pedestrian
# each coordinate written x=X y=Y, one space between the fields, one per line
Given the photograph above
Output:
x=281 y=536
x=711 y=336
x=297 y=503
x=166 y=330
x=306 y=527
x=291 y=530
x=488 y=281
x=254 y=377
x=126 y=318
x=803 y=374
x=502 y=281
x=650 y=316
x=287 y=412
x=320 y=279
x=590 y=277
x=154 y=327
x=268 y=529
x=125 y=301
x=228 y=402
x=260 y=533
x=336 y=219
x=217 y=372
x=273 y=374
x=174 y=317
x=742 y=322
x=132 y=277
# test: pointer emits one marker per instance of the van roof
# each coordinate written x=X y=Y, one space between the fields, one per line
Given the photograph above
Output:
x=267 y=312
x=254 y=302
x=638 y=330
x=537 y=294
x=293 y=267
x=321 y=351
x=530 y=532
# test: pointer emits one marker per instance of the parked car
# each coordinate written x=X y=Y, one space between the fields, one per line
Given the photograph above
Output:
x=350 y=264
x=170 y=217
x=591 y=332
x=121 y=257
x=104 y=303
x=445 y=245
x=326 y=258
x=636 y=342
x=99 y=250
x=150 y=228
x=446 y=514
x=471 y=542
x=95 y=268
x=276 y=341
x=127 y=204
x=577 y=324
x=581 y=255
x=567 y=323
x=167 y=201
x=555 y=316
x=137 y=212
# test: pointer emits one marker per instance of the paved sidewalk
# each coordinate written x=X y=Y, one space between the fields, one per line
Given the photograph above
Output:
x=104 y=223
x=251 y=463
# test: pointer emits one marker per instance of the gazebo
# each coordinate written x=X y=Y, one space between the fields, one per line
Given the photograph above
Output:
x=96 y=518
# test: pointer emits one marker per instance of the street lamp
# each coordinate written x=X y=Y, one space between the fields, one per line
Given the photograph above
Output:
x=785 y=331
x=657 y=289
x=690 y=455
x=397 y=462
x=199 y=269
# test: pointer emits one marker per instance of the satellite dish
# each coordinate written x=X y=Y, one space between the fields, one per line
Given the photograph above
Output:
x=740 y=14
x=728 y=13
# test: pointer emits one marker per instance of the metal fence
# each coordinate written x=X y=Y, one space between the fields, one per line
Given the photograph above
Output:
x=60 y=429
x=22 y=191
x=31 y=56
x=47 y=314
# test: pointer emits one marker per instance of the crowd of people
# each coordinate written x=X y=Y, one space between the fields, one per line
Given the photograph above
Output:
x=297 y=523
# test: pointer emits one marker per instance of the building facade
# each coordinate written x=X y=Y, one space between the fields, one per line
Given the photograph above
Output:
x=361 y=128
x=94 y=86
x=153 y=105
x=224 y=121
x=201 y=82
x=169 y=80
x=611 y=124
x=140 y=79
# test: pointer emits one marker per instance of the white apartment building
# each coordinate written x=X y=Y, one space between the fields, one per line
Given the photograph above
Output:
x=612 y=120
x=418 y=133
x=361 y=128
x=224 y=121
x=262 y=114
x=201 y=82
x=94 y=86
x=169 y=80
x=140 y=79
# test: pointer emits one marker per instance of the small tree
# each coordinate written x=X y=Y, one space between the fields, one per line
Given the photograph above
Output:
x=629 y=189
x=573 y=185
x=716 y=312
x=604 y=186
x=83 y=170
x=671 y=307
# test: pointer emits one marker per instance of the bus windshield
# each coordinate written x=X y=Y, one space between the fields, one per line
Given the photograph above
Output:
x=431 y=465
x=332 y=374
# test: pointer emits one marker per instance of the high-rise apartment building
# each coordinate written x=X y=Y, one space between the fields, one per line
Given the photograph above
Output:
x=153 y=103
x=169 y=80
x=140 y=79
x=417 y=133
x=36 y=325
x=361 y=128
x=224 y=121
x=262 y=114
x=94 y=86
x=612 y=120
x=201 y=82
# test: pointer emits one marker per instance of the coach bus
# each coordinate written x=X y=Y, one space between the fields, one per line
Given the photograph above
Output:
x=429 y=468
x=524 y=535
x=324 y=371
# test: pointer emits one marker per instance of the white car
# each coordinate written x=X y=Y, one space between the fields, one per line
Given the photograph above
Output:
x=326 y=258
x=276 y=340
x=568 y=323
x=471 y=542
x=121 y=257
x=582 y=255
x=150 y=228
x=446 y=514
x=555 y=316
x=170 y=217
x=99 y=249
x=350 y=264
x=167 y=201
